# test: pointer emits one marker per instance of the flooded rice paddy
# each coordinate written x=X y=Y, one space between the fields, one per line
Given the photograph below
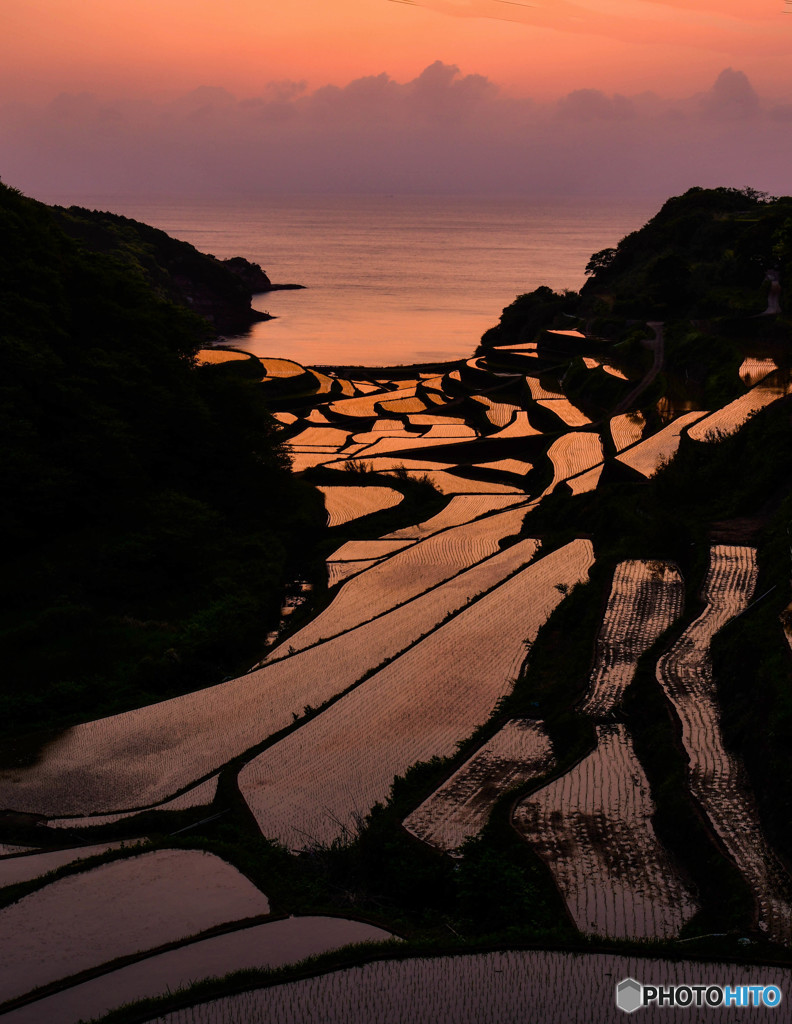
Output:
x=313 y=786
x=338 y=572
x=593 y=828
x=406 y=574
x=649 y=455
x=489 y=988
x=354 y=550
x=461 y=509
x=197 y=796
x=627 y=429
x=585 y=482
x=426 y=629
x=13 y=849
x=645 y=599
x=14 y=870
x=123 y=907
x=265 y=945
x=716 y=775
x=460 y=808
x=154 y=751
x=731 y=417
x=753 y=369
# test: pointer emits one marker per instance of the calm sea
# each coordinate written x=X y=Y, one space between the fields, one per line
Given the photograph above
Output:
x=391 y=279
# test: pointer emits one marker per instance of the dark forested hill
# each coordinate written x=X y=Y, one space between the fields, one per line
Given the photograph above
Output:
x=218 y=290
x=149 y=516
x=707 y=265
x=705 y=254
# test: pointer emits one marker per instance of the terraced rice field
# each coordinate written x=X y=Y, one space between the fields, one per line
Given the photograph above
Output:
x=530 y=346
x=354 y=550
x=414 y=465
x=300 y=461
x=593 y=829
x=646 y=598
x=650 y=454
x=498 y=413
x=593 y=364
x=281 y=367
x=439 y=474
x=449 y=430
x=352 y=449
x=571 y=454
x=199 y=796
x=408 y=404
x=331 y=437
x=752 y=370
x=317 y=417
x=116 y=909
x=14 y=870
x=515 y=466
x=405 y=575
x=539 y=392
x=314 y=785
x=627 y=429
x=426 y=630
x=265 y=945
x=450 y=483
x=347 y=387
x=219 y=355
x=566 y=412
x=324 y=384
x=368 y=437
x=388 y=425
x=147 y=754
x=716 y=776
x=460 y=808
x=430 y=420
x=585 y=482
x=736 y=414
x=419 y=447
x=519 y=426
x=338 y=572
x=344 y=504
x=462 y=508
x=528 y=987
x=363 y=407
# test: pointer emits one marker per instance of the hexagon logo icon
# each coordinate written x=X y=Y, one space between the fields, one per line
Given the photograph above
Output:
x=628 y=995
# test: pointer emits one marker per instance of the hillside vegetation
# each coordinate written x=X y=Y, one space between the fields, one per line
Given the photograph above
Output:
x=704 y=266
x=150 y=518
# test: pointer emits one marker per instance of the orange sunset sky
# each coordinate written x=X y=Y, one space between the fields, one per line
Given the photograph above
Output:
x=395 y=95
x=547 y=48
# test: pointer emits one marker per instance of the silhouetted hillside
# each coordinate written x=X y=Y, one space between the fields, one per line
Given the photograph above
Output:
x=218 y=290
x=149 y=515
x=706 y=254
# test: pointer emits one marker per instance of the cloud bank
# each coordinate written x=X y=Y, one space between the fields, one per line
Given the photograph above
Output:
x=442 y=132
